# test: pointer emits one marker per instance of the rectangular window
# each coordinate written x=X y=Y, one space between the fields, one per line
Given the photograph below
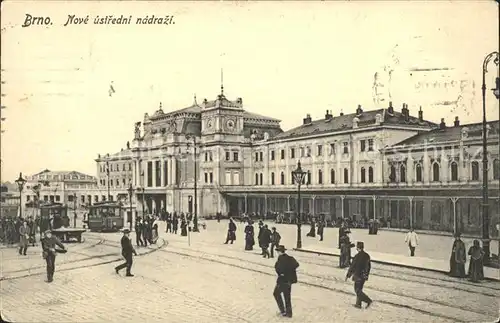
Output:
x=302 y=152
x=228 y=156
x=256 y=156
x=228 y=178
x=370 y=144
x=235 y=156
x=206 y=156
x=292 y=153
x=272 y=154
x=165 y=173
x=206 y=177
x=261 y=155
x=282 y=153
x=150 y=174
x=308 y=151
x=320 y=150
x=211 y=178
x=362 y=145
x=346 y=147
x=82 y=199
x=236 y=178
x=332 y=149
x=158 y=173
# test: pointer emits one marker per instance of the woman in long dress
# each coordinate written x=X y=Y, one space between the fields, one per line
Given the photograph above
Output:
x=345 y=251
x=458 y=258
x=476 y=272
x=249 y=236
x=184 y=227
x=312 y=230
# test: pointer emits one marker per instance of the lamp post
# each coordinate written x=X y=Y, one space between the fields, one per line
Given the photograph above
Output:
x=130 y=192
x=74 y=210
x=298 y=176
x=485 y=206
x=195 y=160
x=20 y=184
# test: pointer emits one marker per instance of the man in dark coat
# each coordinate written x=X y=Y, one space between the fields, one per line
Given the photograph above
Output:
x=138 y=233
x=231 y=232
x=286 y=268
x=49 y=243
x=275 y=240
x=321 y=228
x=127 y=252
x=175 y=224
x=359 y=271
x=259 y=236
x=265 y=240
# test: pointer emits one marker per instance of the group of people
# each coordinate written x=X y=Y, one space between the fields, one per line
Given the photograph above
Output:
x=146 y=231
x=172 y=220
x=10 y=230
x=458 y=258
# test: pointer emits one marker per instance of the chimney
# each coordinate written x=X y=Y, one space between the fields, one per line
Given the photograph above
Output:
x=457 y=122
x=328 y=115
x=341 y=113
x=359 y=111
x=307 y=119
x=390 y=109
x=407 y=113
x=420 y=115
x=442 y=125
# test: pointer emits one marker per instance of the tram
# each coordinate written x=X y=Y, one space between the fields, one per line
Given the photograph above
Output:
x=53 y=216
x=105 y=216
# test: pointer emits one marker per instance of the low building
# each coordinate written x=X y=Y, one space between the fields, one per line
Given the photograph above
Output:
x=9 y=202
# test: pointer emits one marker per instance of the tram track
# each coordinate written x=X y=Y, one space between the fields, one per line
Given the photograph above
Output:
x=322 y=279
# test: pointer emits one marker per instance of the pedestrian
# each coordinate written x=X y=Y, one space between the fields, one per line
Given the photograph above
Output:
x=275 y=240
x=476 y=270
x=265 y=241
x=312 y=230
x=169 y=224
x=138 y=233
x=144 y=231
x=286 y=268
x=24 y=231
x=259 y=236
x=321 y=228
x=249 y=236
x=49 y=243
x=359 y=271
x=184 y=232
x=342 y=230
x=175 y=224
x=231 y=232
x=127 y=252
x=412 y=240
x=345 y=251
x=458 y=258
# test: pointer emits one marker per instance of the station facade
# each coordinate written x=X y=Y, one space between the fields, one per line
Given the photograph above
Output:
x=382 y=163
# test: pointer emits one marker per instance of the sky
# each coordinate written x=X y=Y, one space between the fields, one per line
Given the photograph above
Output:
x=285 y=59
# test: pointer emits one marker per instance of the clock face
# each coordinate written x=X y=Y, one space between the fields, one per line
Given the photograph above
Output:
x=230 y=124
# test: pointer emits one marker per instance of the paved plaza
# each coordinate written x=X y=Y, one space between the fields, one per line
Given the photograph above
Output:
x=200 y=279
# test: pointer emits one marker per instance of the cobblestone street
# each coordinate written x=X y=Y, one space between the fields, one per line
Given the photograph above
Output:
x=203 y=280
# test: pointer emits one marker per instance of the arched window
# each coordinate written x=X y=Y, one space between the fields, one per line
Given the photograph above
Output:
x=256 y=179
x=418 y=173
x=272 y=178
x=370 y=174
x=435 y=172
x=282 y=179
x=454 y=171
x=392 y=175
x=346 y=176
x=261 y=179
x=475 y=171
x=363 y=175
x=332 y=176
x=402 y=174
x=320 y=176
x=496 y=169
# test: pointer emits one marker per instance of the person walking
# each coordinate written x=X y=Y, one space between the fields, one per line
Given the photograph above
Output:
x=286 y=268
x=138 y=233
x=275 y=240
x=412 y=240
x=231 y=232
x=49 y=243
x=127 y=252
x=24 y=231
x=359 y=271
x=249 y=236
x=321 y=228
x=265 y=241
x=458 y=258
x=476 y=265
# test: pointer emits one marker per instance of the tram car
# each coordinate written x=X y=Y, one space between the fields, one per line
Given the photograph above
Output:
x=53 y=216
x=105 y=217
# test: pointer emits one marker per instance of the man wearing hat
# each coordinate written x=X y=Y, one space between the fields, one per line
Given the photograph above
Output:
x=359 y=271
x=49 y=243
x=285 y=267
x=127 y=251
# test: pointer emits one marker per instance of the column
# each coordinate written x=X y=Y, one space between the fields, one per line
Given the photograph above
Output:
x=153 y=164
x=265 y=205
x=162 y=171
x=288 y=203
x=455 y=224
x=246 y=204
x=410 y=198
x=342 y=197
x=174 y=171
x=374 y=198
x=313 y=209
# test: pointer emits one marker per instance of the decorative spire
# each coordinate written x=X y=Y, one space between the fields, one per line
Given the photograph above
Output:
x=160 y=105
x=195 y=103
x=221 y=81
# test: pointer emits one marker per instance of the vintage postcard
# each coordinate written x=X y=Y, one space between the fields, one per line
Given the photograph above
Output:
x=250 y=161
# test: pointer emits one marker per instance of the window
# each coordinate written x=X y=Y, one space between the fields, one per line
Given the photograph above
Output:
x=392 y=175
x=256 y=156
x=302 y=152
x=282 y=179
x=124 y=182
x=206 y=156
x=256 y=179
x=320 y=150
x=272 y=154
x=211 y=175
x=272 y=178
x=58 y=198
x=236 y=156
x=435 y=172
x=362 y=145
x=117 y=182
x=123 y=167
x=454 y=171
x=332 y=176
x=320 y=176
x=261 y=177
x=363 y=175
x=282 y=153
x=402 y=174
x=210 y=157
x=292 y=153
x=418 y=173
x=308 y=151
x=475 y=171
x=332 y=149
x=346 y=147
x=228 y=156
x=130 y=166
x=308 y=178
x=261 y=155
x=370 y=174
x=346 y=176
x=496 y=169
x=370 y=144
x=206 y=177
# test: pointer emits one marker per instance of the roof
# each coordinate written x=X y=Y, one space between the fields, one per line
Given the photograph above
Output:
x=63 y=173
x=345 y=122
x=450 y=133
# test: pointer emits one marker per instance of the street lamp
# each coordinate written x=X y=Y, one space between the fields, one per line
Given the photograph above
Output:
x=298 y=176
x=485 y=206
x=20 y=184
x=195 y=159
x=130 y=192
